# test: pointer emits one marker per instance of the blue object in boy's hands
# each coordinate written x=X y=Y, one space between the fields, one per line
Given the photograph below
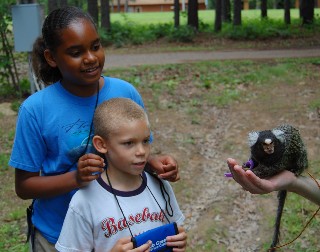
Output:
x=157 y=236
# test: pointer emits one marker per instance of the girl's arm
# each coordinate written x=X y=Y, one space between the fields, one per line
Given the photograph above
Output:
x=285 y=180
x=30 y=185
x=165 y=166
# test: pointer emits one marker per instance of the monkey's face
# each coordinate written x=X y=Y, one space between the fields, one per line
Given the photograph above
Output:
x=268 y=146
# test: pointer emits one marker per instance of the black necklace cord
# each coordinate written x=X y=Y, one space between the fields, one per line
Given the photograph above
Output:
x=91 y=124
x=118 y=203
x=90 y=131
x=163 y=192
x=162 y=189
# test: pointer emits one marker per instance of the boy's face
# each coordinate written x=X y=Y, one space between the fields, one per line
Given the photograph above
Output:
x=80 y=57
x=128 y=147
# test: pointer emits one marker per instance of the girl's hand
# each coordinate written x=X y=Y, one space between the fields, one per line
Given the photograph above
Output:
x=125 y=244
x=89 y=167
x=250 y=182
x=165 y=166
x=178 y=241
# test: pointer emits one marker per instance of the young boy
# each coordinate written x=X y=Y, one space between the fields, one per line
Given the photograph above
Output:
x=124 y=201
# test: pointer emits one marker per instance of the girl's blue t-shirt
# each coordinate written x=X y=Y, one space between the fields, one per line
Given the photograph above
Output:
x=52 y=132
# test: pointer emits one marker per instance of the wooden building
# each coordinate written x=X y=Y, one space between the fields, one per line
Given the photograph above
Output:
x=153 y=5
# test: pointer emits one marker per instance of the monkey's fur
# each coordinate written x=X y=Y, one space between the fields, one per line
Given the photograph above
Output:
x=273 y=151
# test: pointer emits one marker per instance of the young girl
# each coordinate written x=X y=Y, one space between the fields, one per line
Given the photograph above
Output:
x=52 y=150
x=124 y=201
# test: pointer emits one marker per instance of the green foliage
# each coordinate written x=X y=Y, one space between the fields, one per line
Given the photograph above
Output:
x=8 y=75
x=131 y=33
x=130 y=29
x=182 y=34
x=11 y=238
x=257 y=29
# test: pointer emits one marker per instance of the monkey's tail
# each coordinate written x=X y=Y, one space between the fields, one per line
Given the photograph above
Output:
x=276 y=235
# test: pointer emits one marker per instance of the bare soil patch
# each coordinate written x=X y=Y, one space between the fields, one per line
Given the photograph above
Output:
x=217 y=209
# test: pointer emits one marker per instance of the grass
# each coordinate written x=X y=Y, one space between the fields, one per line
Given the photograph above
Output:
x=219 y=82
x=188 y=87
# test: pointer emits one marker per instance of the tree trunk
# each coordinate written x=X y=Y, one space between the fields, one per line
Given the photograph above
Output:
x=52 y=5
x=287 y=18
x=126 y=6
x=307 y=11
x=105 y=15
x=264 y=9
x=226 y=11
x=176 y=13
x=93 y=10
x=237 y=12
x=63 y=3
x=11 y=71
x=118 y=6
x=193 y=14
x=218 y=19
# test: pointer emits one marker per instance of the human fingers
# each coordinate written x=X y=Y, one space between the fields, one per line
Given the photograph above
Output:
x=143 y=248
x=256 y=185
x=91 y=156
x=178 y=241
x=89 y=167
x=247 y=179
x=170 y=173
x=170 y=168
x=122 y=245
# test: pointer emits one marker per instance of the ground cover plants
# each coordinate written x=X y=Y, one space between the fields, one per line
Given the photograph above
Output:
x=201 y=114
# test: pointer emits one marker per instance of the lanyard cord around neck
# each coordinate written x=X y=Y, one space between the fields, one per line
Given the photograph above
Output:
x=163 y=191
x=90 y=130
x=112 y=190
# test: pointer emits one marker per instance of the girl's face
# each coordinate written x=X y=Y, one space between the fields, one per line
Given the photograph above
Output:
x=128 y=148
x=80 y=57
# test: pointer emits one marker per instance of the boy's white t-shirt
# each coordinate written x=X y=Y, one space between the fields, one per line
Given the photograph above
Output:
x=94 y=219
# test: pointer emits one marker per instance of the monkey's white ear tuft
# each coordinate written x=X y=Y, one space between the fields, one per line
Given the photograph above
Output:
x=252 y=138
x=279 y=134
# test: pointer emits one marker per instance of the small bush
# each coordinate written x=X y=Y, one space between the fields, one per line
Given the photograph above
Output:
x=182 y=34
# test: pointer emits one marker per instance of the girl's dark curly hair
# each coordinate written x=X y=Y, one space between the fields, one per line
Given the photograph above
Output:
x=53 y=25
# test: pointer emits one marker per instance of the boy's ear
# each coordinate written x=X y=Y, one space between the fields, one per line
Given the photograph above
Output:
x=100 y=144
x=49 y=58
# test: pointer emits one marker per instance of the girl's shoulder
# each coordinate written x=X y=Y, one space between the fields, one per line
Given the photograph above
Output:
x=39 y=98
x=113 y=81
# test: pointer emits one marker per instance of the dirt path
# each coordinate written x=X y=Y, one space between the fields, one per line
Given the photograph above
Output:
x=127 y=60
x=217 y=210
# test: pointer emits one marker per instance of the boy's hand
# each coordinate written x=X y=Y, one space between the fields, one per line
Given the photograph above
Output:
x=125 y=244
x=178 y=241
x=165 y=166
x=89 y=167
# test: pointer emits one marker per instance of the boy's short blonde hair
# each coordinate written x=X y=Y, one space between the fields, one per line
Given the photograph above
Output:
x=112 y=113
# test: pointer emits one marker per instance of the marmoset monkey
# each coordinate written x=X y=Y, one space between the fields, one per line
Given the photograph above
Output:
x=273 y=151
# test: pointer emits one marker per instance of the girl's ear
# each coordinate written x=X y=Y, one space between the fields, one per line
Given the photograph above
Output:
x=100 y=144
x=49 y=58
